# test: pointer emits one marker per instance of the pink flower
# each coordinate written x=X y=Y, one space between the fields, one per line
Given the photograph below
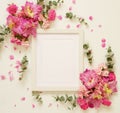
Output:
x=106 y=102
x=112 y=76
x=51 y=15
x=12 y=9
x=82 y=103
x=46 y=24
x=11 y=57
x=32 y=10
x=89 y=78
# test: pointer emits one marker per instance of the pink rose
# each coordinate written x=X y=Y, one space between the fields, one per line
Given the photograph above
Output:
x=112 y=76
x=12 y=9
x=51 y=15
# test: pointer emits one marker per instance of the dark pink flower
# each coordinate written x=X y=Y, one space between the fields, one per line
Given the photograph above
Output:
x=106 y=102
x=89 y=78
x=12 y=9
x=51 y=15
x=82 y=103
x=112 y=76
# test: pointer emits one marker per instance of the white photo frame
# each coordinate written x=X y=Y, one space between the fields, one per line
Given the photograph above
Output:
x=57 y=60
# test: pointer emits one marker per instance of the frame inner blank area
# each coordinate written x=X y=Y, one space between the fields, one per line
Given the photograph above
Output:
x=58 y=61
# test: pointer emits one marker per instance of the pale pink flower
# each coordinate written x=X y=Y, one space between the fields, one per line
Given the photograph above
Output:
x=12 y=9
x=105 y=73
x=51 y=15
x=89 y=78
x=46 y=24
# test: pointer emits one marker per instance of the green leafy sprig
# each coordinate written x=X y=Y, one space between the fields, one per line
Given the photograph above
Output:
x=49 y=5
x=72 y=16
x=109 y=59
x=88 y=53
x=4 y=31
x=24 y=64
x=36 y=95
x=66 y=99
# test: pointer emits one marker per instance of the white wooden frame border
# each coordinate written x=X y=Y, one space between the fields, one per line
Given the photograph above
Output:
x=81 y=65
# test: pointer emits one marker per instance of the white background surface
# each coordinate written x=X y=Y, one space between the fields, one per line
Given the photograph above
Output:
x=105 y=13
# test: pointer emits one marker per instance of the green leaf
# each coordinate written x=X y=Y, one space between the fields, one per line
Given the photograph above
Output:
x=54 y=3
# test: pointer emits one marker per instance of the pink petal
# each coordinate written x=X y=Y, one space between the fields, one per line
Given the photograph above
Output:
x=11 y=57
x=23 y=99
x=78 y=25
x=74 y=1
x=59 y=17
x=15 y=48
x=68 y=26
x=33 y=105
x=103 y=40
x=103 y=45
x=99 y=26
x=50 y=104
x=70 y=8
x=10 y=73
x=2 y=77
x=91 y=30
x=90 y=18
x=6 y=46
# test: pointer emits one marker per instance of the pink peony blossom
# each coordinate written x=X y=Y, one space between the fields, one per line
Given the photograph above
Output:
x=32 y=10
x=89 y=78
x=51 y=15
x=12 y=9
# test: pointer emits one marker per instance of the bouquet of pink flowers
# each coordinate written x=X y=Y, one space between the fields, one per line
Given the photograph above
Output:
x=23 y=23
x=98 y=85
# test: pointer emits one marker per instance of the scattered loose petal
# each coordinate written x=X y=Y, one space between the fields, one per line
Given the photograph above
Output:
x=103 y=45
x=99 y=26
x=50 y=104
x=6 y=46
x=90 y=18
x=11 y=57
x=14 y=48
x=33 y=105
x=68 y=26
x=57 y=105
x=91 y=30
x=10 y=73
x=2 y=77
x=74 y=1
x=23 y=99
x=70 y=8
x=78 y=25
x=103 y=40
x=59 y=17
